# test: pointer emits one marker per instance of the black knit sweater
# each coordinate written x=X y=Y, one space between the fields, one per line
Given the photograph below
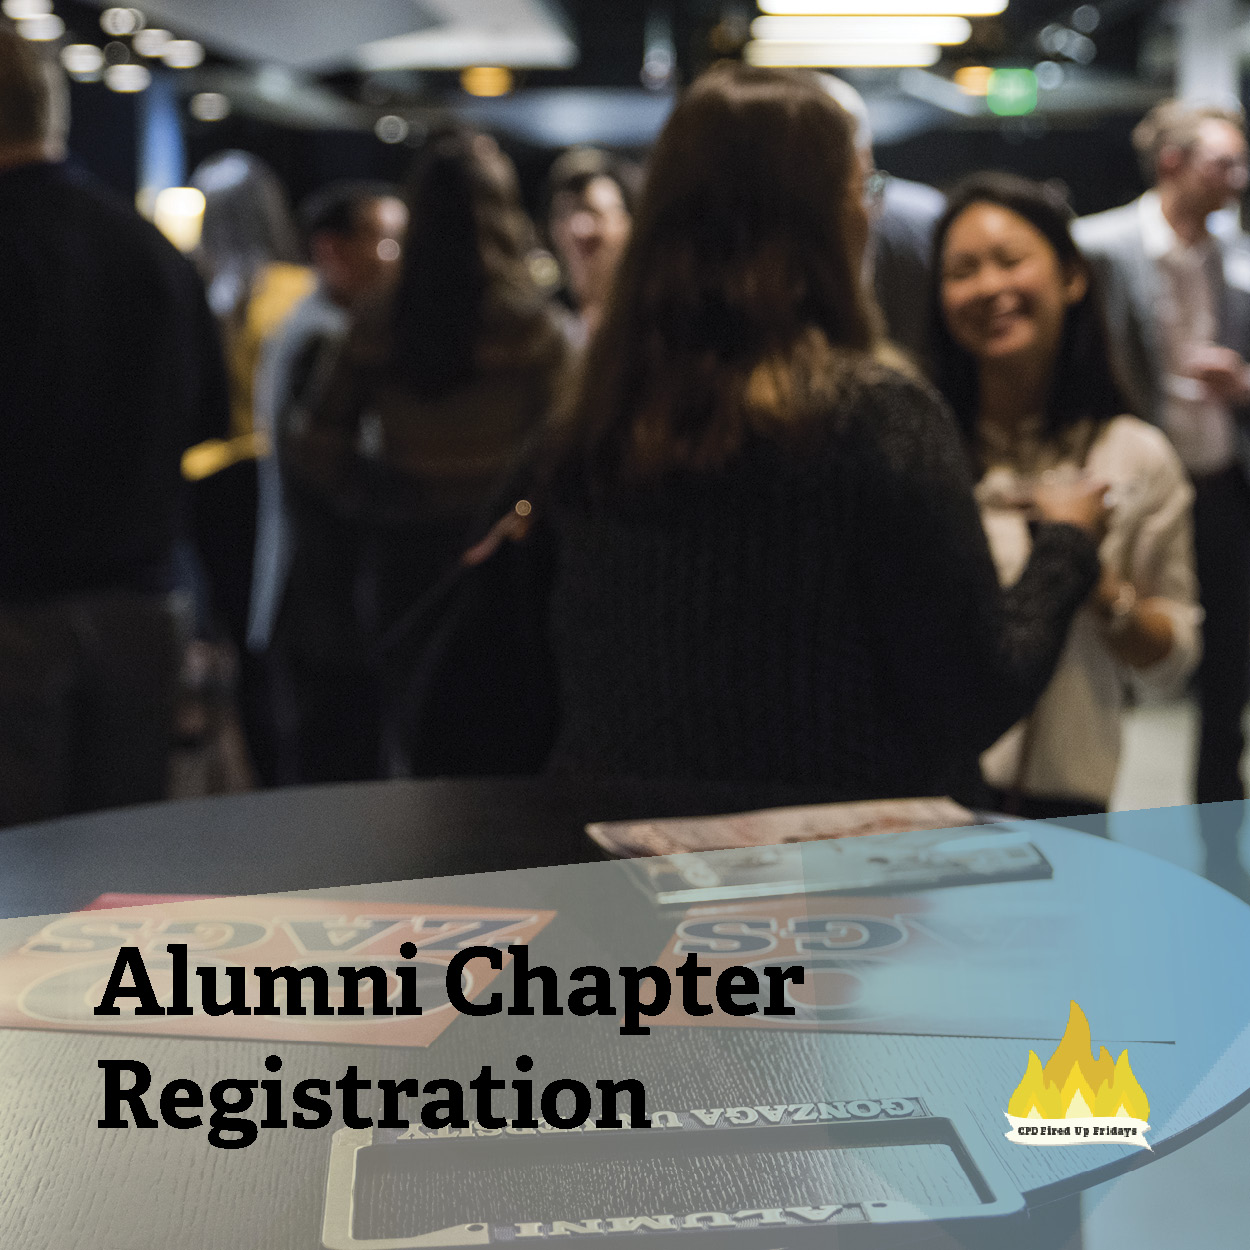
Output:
x=817 y=613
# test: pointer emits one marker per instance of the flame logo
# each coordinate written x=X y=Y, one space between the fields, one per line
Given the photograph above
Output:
x=1099 y=1098
x=1075 y=1085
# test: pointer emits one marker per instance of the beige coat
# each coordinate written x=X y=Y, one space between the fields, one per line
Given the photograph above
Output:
x=1070 y=746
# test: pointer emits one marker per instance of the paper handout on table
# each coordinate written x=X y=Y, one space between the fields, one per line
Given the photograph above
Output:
x=892 y=845
x=777 y=826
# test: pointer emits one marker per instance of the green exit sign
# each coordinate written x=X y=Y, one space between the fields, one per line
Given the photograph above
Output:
x=1012 y=92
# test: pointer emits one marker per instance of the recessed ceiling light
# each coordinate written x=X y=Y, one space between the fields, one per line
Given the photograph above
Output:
x=118 y=21
x=183 y=54
x=836 y=55
x=41 y=29
x=391 y=129
x=21 y=10
x=825 y=8
x=82 y=60
x=127 y=79
x=209 y=106
x=486 y=80
x=152 y=41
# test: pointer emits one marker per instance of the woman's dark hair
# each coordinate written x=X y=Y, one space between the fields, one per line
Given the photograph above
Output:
x=575 y=169
x=464 y=267
x=738 y=298
x=1084 y=386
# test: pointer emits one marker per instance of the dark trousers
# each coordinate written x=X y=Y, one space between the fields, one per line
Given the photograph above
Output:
x=330 y=713
x=1222 y=552
x=225 y=509
x=321 y=677
x=87 y=687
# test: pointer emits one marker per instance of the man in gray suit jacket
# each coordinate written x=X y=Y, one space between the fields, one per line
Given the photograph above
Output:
x=1178 y=309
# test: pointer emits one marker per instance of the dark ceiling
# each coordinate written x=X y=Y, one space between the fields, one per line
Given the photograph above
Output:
x=610 y=35
x=297 y=65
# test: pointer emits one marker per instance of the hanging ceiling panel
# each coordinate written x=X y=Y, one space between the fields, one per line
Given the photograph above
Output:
x=333 y=34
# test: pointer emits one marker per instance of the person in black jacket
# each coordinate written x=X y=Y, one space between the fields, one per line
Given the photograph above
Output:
x=109 y=369
x=771 y=568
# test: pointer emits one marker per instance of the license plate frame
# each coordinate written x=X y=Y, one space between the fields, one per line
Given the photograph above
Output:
x=866 y=1222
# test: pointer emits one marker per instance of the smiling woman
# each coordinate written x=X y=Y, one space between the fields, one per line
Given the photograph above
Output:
x=1005 y=290
x=1022 y=357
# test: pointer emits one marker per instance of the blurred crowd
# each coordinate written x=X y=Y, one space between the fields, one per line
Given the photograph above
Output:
x=757 y=464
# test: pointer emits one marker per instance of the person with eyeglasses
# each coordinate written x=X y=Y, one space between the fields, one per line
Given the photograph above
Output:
x=1178 y=310
x=902 y=215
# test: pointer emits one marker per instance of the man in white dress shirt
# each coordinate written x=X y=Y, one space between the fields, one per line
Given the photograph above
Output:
x=1178 y=308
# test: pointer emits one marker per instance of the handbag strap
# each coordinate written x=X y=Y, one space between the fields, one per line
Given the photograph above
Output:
x=512 y=527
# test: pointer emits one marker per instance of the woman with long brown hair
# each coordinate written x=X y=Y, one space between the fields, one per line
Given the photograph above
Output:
x=771 y=565
x=441 y=383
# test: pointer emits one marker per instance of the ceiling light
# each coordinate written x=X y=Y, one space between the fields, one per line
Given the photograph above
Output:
x=121 y=21
x=1086 y=19
x=183 y=54
x=486 y=80
x=886 y=8
x=21 y=10
x=209 y=106
x=41 y=29
x=391 y=129
x=659 y=61
x=152 y=42
x=848 y=55
x=863 y=29
x=127 y=79
x=82 y=60
x=1050 y=75
x=1012 y=92
x=973 y=79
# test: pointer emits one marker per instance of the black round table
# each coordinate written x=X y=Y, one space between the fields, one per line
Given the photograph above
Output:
x=1152 y=952
x=311 y=837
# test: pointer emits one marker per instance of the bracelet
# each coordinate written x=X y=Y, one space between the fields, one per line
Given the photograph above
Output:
x=1118 y=614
